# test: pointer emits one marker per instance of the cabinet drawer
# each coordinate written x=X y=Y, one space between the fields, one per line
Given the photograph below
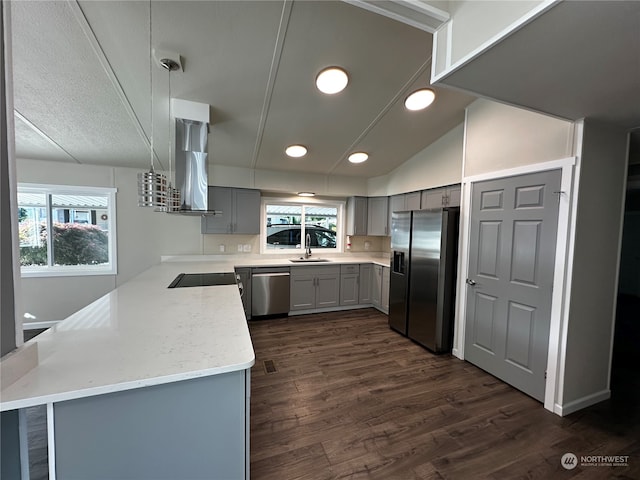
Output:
x=349 y=269
x=316 y=270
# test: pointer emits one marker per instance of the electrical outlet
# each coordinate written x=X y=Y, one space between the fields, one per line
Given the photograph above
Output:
x=367 y=245
x=246 y=248
x=239 y=247
x=221 y=247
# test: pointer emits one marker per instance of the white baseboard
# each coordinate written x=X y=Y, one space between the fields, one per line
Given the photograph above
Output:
x=580 y=403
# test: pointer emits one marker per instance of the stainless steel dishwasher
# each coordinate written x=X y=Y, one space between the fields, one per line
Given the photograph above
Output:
x=269 y=291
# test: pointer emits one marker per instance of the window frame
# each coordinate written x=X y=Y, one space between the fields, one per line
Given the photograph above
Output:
x=74 y=270
x=310 y=202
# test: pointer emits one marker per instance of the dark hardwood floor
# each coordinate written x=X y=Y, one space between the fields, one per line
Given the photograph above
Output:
x=350 y=398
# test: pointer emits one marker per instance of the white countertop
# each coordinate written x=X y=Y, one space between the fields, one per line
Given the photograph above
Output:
x=143 y=334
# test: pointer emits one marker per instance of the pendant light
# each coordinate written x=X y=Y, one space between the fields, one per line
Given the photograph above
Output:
x=173 y=194
x=152 y=186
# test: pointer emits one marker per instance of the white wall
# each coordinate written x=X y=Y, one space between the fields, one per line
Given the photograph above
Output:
x=286 y=182
x=499 y=137
x=603 y=165
x=437 y=165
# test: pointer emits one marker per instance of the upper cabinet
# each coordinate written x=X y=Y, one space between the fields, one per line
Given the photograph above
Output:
x=441 y=197
x=367 y=216
x=378 y=216
x=240 y=211
x=357 y=215
x=403 y=203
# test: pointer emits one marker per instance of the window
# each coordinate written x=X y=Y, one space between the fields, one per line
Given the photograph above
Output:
x=66 y=230
x=287 y=224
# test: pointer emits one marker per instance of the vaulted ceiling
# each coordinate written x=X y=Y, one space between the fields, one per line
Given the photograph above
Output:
x=83 y=91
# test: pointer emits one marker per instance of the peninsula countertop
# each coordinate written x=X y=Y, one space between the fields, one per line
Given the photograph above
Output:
x=140 y=334
x=144 y=334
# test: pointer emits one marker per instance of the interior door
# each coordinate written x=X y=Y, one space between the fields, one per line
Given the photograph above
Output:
x=511 y=262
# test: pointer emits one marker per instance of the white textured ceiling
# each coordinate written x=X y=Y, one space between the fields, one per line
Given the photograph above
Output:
x=82 y=89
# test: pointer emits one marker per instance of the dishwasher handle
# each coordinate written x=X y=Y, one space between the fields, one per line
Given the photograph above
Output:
x=283 y=274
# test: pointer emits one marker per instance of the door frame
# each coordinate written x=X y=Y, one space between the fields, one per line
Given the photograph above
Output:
x=570 y=174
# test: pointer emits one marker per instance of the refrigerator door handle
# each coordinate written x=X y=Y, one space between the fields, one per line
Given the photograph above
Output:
x=471 y=282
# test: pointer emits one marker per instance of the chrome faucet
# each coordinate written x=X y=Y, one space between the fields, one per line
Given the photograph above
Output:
x=307 y=245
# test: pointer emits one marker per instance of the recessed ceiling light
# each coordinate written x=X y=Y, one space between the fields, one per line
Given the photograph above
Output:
x=306 y=194
x=332 y=80
x=358 y=157
x=296 y=151
x=420 y=99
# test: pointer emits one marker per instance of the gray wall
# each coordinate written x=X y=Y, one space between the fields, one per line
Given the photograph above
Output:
x=595 y=261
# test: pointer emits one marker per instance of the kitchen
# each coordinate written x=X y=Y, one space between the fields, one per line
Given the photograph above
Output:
x=505 y=130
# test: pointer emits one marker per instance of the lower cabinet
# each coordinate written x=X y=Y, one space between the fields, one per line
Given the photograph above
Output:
x=366 y=275
x=380 y=288
x=384 y=296
x=317 y=287
x=245 y=279
x=349 y=284
x=314 y=287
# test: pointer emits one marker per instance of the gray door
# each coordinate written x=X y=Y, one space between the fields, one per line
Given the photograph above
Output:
x=511 y=261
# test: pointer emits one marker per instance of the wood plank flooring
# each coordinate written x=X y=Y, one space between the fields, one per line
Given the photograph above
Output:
x=350 y=398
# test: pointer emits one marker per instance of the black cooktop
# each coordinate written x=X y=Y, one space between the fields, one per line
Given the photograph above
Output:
x=203 y=280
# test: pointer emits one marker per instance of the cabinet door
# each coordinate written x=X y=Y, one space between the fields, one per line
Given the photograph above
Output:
x=412 y=201
x=220 y=198
x=454 y=196
x=384 y=301
x=349 y=290
x=364 y=293
x=357 y=215
x=434 y=198
x=246 y=218
x=302 y=291
x=376 y=286
x=378 y=216
x=396 y=204
x=327 y=290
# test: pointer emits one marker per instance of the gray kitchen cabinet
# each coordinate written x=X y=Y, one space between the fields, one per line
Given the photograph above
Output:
x=314 y=287
x=384 y=296
x=378 y=216
x=441 y=197
x=245 y=279
x=380 y=288
x=412 y=200
x=454 y=196
x=403 y=202
x=349 y=284
x=364 y=292
x=240 y=211
x=357 y=215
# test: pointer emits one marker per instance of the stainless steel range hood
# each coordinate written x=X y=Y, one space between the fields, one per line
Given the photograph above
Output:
x=191 y=167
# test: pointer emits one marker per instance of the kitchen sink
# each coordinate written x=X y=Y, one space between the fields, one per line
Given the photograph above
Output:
x=308 y=260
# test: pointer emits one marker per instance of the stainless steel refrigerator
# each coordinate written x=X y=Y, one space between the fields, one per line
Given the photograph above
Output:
x=423 y=274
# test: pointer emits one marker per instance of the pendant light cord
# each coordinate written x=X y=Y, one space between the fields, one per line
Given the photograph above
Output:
x=170 y=130
x=151 y=80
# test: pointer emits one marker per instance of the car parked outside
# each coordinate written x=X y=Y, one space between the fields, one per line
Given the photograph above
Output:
x=288 y=236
